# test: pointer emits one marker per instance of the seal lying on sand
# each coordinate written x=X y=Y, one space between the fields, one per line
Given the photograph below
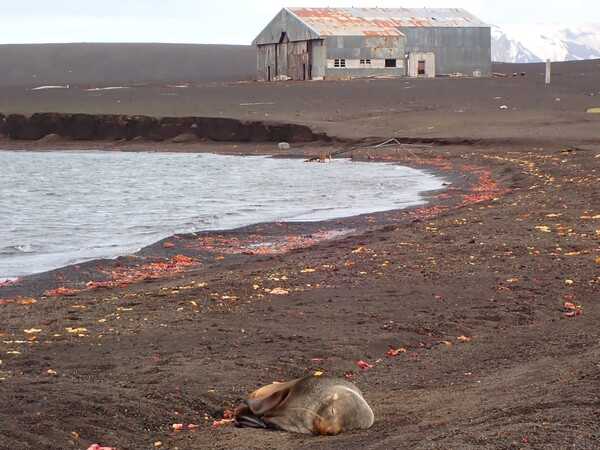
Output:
x=310 y=405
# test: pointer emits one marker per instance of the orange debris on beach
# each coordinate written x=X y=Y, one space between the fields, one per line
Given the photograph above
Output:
x=124 y=276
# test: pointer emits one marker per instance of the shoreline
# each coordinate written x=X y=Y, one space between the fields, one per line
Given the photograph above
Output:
x=337 y=228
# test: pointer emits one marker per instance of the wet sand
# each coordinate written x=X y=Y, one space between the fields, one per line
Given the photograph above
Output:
x=489 y=292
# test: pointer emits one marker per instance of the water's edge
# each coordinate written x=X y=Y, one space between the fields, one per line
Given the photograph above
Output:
x=422 y=194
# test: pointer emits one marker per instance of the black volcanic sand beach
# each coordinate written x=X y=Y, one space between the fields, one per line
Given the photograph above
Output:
x=467 y=109
x=489 y=296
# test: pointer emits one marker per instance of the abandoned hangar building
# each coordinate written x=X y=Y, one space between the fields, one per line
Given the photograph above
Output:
x=343 y=43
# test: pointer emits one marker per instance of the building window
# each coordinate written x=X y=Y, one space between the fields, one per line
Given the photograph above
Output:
x=390 y=63
x=365 y=62
x=421 y=68
x=339 y=63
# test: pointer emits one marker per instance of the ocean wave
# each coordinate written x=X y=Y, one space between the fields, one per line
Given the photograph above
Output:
x=17 y=249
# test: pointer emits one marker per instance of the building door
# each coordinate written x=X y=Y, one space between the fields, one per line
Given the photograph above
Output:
x=309 y=51
x=282 y=57
x=298 y=60
x=421 y=65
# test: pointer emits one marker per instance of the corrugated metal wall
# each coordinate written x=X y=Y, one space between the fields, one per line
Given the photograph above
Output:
x=376 y=49
x=348 y=73
x=457 y=50
x=318 y=60
x=365 y=47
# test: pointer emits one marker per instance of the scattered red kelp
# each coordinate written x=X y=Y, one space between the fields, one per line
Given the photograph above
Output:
x=572 y=309
x=61 y=292
x=364 y=365
x=482 y=188
x=428 y=212
x=485 y=188
x=222 y=423
x=8 y=283
x=393 y=352
x=184 y=427
x=99 y=447
x=124 y=276
x=262 y=245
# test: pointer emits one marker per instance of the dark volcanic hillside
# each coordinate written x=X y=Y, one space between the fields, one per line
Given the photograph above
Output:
x=28 y=65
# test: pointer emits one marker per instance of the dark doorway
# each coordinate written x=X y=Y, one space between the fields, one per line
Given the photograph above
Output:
x=303 y=72
x=309 y=50
x=390 y=63
x=268 y=73
x=421 y=68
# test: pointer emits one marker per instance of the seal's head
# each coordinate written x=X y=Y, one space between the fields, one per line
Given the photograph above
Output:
x=344 y=409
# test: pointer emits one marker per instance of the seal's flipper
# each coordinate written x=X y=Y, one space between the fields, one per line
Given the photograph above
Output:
x=249 y=421
x=270 y=397
x=271 y=389
x=263 y=405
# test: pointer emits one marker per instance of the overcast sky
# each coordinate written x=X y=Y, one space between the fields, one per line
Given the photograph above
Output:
x=230 y=21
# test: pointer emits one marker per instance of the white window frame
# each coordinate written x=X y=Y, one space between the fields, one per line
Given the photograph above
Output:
x=365 y=62
x=339 y=63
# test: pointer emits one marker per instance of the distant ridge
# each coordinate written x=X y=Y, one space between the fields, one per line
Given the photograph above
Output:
x=60 y=64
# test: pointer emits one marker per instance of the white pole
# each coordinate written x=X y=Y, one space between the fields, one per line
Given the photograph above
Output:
x=548 y=72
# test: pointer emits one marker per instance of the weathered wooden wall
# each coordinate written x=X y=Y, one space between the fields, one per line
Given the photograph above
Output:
x=290 y=60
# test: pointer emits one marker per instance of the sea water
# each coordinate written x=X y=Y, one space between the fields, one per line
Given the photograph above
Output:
x=61 y=208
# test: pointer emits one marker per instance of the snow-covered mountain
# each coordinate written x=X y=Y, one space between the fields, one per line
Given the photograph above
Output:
x=505 y=49
x=535 y=43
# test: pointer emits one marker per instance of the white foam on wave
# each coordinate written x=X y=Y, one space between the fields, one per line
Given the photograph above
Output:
x=108 y=88
x=43 y=88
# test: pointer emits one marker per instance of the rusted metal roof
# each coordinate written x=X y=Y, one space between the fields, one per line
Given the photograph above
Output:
x=381 y=21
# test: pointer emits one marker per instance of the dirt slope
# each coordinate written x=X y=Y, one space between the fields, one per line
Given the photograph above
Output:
x=109 y=64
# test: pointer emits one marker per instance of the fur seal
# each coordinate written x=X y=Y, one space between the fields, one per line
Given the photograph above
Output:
x=311 y=405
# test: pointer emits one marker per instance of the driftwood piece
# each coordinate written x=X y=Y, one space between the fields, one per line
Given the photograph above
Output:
x=392 y=142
